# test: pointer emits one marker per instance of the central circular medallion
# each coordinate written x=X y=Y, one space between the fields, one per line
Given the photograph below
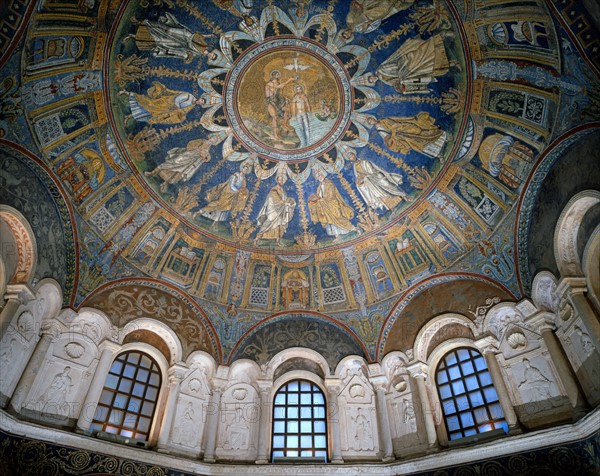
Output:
x=288 y=99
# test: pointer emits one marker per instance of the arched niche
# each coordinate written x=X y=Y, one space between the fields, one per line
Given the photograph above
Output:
x=19 y=250
x=149 y=330
x=440 y=329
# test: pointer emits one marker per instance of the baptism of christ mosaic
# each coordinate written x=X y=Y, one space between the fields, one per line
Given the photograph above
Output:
x=290 y=125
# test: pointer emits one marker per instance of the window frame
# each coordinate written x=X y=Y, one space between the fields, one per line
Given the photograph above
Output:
x=455 y=398
x=157 y=367
x=313 y=389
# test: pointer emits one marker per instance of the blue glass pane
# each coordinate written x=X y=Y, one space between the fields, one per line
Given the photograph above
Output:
x=138 y=389
x=305 y=386
x=485 y=378
x=116 y=417
x=305 y=426
x=100 y=414
x=445 y=391
x=106 y=397
x=278 y=454
x=142 y=375
x=306 y=453
x=305 y=399
x=145 y=362
x=452 y=423
x=280 y=399
x=291 y=441
x=320 y=441
x=462 y=403
x=292 y=427
x=319 y=426
x=279 y=412
x=306 y=412
x=320 y=454
x=292 y=399
x=454 y=372
x=442 y=377
x=455 y=436
x=134 y=358
x=450 y=359
x=318 y=399
x=467 y=368
x=485 y=427
x=319 y=412
x=125 y=385
x=116 y=367
x=111 y=381
x=135 y=405
x=126 y=433
x=470 y=432
x=306 y=442
x=466 y=418
x=292 y=412
x=476 y=399
x=130 y=420
x=481 y=415
x=458 y=387
x=147 y=408
x=293 y=386
x=490 y=395
x=278 y=441
x=463 y=354
x=151 y=394
x=472 y=383
x=449 y=407
x=279 y=427
x=96 y=426
x=496 y=411
x=291 y=454
x=502 y=425
x=480 y=363
x=129 y=371
x=154 y=379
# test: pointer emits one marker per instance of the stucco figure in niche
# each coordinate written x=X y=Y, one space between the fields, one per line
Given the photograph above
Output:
x=56 y=394
x=535 y=382
x=585 y=341
x=363 y=434
x=168 y=38
x=236 y=432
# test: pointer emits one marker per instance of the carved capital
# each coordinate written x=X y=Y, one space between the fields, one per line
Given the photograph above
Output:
x=542 y=321
x=570 y=285
x=19 y=292
x=488 y=345
x=109 y=345
x=177 y=373
x=379 y=383
x=418 y=370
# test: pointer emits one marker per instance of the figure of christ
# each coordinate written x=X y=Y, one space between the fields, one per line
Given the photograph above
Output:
x=300 y=110
x=276 y=102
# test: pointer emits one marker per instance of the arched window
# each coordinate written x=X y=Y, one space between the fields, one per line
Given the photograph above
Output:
x=299 y=425
x=467 y=394
x=128 y=401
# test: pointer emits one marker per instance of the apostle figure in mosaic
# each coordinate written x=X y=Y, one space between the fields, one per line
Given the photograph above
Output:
x=419 y=133
x=160 y=105
x=379 y=188
x=167 y=38
x=228 y=198
x=366 y=15
x=328 y=208
x=415 y=64
x=182 y=163
x=276 y=213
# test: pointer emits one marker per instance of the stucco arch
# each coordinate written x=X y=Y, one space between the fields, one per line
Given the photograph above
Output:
x=567 y=228
x=161 y=330
x=427 y=333
x=23 y=239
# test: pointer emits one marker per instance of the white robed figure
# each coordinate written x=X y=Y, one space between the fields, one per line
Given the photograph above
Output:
x=378 y=187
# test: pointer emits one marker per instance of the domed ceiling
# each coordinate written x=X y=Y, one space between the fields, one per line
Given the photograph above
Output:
x=234 y=164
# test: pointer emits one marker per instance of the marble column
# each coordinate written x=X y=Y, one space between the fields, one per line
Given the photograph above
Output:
x=574 y=290
x=108 y=351
x=212 y=425
x=33 y=368
x=176 y=375
x=383 y=420
x=15 y=296
x=419 y=373
x=333 y=409
x=543 y=322
x=493 y=366
x=264 y=424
